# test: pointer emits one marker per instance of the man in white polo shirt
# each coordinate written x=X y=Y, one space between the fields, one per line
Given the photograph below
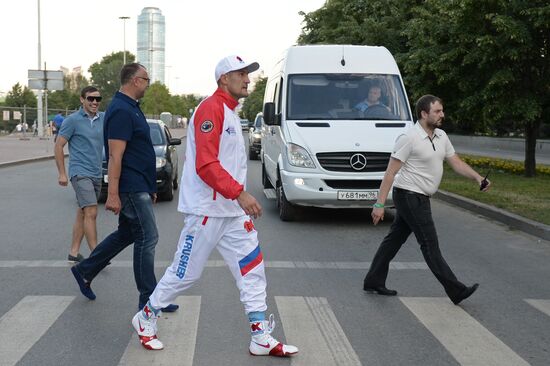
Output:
x=415 y=171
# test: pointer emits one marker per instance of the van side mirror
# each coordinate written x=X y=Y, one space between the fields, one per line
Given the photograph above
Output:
x=269 y=114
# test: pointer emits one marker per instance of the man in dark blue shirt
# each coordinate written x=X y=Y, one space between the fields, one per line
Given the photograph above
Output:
x=132 y=188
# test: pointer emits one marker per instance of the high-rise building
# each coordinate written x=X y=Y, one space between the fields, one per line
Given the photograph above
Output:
x=150 y=42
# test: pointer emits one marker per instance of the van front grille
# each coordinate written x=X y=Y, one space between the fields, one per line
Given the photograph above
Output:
x=352 y=184
x=363 y=161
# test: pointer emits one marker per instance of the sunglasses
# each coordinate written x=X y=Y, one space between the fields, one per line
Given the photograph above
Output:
x=146 y=79
x=91 y=99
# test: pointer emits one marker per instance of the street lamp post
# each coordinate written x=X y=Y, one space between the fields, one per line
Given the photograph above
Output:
x=124 y=22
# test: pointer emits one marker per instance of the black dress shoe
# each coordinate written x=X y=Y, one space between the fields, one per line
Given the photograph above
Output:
x=380 y=290
x=468 y=291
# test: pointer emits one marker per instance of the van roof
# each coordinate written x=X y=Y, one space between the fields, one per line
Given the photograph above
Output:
x=313 y=59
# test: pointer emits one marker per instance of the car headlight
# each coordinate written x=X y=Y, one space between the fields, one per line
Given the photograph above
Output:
x=161 y=162
x=257 y=135
x=298 y=156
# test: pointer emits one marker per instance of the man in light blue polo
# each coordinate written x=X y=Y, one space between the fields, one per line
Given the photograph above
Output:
x=83 y=130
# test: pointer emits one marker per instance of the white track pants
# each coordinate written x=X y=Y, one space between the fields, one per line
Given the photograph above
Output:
x=236 y=240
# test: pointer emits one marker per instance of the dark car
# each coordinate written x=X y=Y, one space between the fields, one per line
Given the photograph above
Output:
x=255 y=137
x=167 y=162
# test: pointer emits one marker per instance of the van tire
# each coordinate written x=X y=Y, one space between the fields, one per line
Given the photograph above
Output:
x=287 y=211
x=252 y=155
x=265 y=180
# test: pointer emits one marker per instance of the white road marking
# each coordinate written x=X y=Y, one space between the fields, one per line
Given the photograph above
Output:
x=178 y=332
x=26 y=323
x=220 y=263
x=310 y=324
x=469 y=342
x=541 y=305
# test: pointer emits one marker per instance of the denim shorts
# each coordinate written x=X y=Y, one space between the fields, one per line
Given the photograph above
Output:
x=87 y=190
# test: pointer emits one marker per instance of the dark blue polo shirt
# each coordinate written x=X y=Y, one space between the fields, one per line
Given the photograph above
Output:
x=124 y=120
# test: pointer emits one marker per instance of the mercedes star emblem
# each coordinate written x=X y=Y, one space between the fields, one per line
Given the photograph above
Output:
x=358 y=161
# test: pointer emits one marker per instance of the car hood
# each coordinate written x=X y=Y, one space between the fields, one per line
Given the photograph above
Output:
x=346 y=136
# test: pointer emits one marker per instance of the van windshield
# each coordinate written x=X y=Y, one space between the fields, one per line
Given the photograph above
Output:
x=346 y=97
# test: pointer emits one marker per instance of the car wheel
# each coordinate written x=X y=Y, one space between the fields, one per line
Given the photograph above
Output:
x=252 y=155
x=287 y=211
x=175 y=182
x=169 y=194
x=265 y=180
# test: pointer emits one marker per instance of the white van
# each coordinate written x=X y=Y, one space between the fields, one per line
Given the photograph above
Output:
x=332 y=115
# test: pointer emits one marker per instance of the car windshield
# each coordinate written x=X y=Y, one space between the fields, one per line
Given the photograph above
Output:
x=157 y=136
x=346 y=97
x=258 y=122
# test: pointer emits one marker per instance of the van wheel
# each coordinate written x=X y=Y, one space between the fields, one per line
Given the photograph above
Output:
x=287 y=211
x=252 y=155
x=265 y=180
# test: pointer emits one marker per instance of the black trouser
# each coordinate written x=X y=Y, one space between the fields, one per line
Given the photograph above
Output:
x=413 y=214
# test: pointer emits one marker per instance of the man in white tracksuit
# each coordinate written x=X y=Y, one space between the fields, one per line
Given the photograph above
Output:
x=218 y=214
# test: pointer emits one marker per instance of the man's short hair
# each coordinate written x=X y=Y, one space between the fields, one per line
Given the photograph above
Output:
x=424 y=104
x=128 y=71
x=88 y=89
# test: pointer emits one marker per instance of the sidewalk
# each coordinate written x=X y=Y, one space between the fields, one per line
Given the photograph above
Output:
x=14 y=151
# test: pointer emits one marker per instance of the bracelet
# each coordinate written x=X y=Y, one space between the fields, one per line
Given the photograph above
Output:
x=378 y=205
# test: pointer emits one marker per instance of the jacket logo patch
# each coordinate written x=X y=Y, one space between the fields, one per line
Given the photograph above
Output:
x=207 y=126
x=230 y=131
x=248 y=226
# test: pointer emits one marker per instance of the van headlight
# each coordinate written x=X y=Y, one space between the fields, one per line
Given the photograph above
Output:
x=298 y=156
x=161 y=162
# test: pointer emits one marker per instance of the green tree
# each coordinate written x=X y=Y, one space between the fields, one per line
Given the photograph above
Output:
x=254 y=102
x=20 y=96
x=489 y=59
x=106 y=74
x=183 y=103
x=157 y=99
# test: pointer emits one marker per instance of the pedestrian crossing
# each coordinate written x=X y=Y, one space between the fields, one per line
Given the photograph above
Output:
x=307 y=322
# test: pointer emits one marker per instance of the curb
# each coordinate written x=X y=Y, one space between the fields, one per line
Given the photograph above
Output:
x=26 y=161
x=515 y=221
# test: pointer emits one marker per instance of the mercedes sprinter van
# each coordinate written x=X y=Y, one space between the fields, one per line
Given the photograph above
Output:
x=332 y=115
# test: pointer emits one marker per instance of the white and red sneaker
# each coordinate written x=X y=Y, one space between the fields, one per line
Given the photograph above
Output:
x=147 y=330
x=263 y=344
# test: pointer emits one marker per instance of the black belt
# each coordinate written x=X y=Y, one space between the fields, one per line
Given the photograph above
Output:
x=406 y=191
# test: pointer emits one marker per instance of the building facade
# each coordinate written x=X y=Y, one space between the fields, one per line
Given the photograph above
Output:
x=151 y=42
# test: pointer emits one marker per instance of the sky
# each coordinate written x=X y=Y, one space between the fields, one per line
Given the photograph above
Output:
x=198 y=34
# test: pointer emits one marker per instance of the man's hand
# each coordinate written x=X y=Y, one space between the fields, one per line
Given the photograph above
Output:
x=113 y=203
x=377 y=214
x=249 y=204
x=62 y=180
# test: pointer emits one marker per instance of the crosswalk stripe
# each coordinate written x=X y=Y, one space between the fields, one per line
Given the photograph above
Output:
x=26 y=322
x=465 y=338
x=178 y=332
x=310 y=324
x=220 y=263
x=541 y=305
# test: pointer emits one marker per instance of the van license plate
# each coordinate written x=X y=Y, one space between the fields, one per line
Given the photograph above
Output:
x=106 y=178
x=357 y=195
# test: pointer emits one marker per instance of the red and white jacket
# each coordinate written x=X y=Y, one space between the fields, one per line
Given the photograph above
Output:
x=214 y=173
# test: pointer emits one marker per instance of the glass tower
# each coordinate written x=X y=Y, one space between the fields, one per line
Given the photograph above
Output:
x=150 y=42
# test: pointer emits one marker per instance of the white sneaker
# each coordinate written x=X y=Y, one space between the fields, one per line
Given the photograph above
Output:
x=147 y=331
x=264 y=344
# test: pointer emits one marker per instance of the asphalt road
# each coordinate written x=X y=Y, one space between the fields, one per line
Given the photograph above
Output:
x=315 y=269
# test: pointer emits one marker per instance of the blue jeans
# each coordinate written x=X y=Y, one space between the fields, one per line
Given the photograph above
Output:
x=413 y=215
x=136 y=224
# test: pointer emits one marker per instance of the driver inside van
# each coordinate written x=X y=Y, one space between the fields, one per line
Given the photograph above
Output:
x=373 y=98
